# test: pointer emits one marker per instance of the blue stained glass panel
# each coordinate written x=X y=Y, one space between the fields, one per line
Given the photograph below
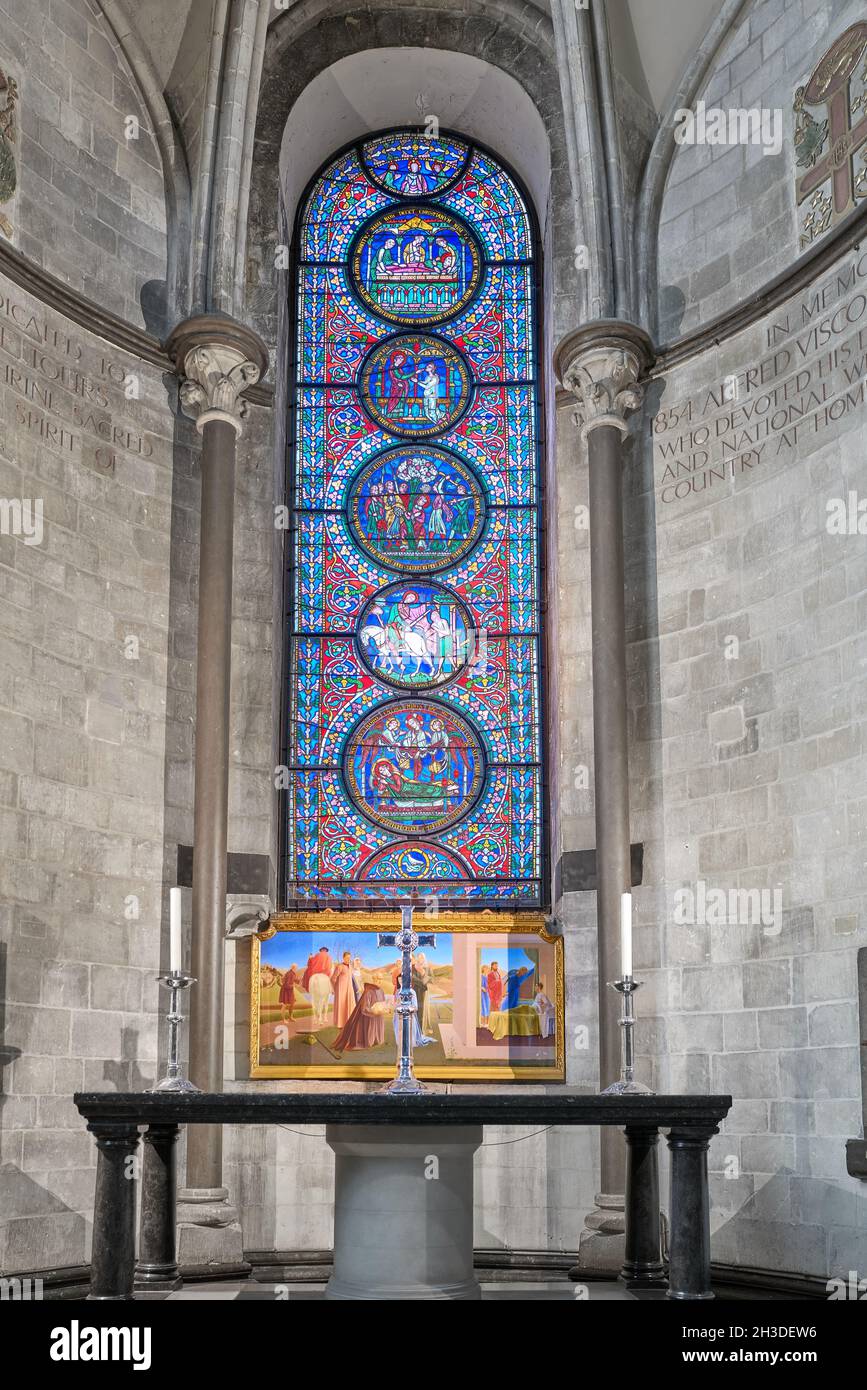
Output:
x=414 y=678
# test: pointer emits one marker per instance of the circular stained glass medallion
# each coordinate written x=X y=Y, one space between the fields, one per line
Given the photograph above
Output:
x=414 y=635
x=414 y=766
x=415 y=265
x=412 y=164
x=418 y=509
x=415 y=385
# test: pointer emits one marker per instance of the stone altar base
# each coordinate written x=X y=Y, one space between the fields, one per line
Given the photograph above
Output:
x=403 y=1213
x=209 y=1232
x=602 y=1243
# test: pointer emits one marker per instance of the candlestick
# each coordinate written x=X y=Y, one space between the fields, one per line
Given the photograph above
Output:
x=174 y=1080
x=175 y=931
x=627 y=1085
x=626 y=935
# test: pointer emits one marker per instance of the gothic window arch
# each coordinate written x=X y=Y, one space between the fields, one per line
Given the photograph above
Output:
x=414 y=670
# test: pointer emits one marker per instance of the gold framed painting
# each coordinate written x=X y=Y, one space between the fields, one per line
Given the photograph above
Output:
x=490 y=998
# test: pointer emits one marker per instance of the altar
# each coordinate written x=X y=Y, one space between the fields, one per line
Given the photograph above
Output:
x=418 y=1242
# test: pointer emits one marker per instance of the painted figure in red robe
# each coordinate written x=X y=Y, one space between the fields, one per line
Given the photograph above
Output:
x=495 y=987
x=344 y=994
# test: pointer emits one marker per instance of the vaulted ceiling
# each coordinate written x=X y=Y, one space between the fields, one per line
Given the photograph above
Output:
x=651 y=41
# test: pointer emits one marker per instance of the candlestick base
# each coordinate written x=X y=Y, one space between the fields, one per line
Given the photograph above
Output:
x=404 y=1086
x=177 y=1083
x=627 y=1088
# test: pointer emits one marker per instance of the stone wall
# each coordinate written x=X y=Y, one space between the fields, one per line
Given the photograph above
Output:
x=84 y=652
x=749 y=765
x=97 y=704
x=90 y=205
x=728 y=222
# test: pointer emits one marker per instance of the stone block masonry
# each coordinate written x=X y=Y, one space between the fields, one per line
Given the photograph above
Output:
x=90 y=206
x=761 y=785
x=84 y=637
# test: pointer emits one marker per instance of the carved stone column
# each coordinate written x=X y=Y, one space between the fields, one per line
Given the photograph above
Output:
x=601 y=364
x=216 y=359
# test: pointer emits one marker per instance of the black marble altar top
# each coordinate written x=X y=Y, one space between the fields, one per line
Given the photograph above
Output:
x=566 y=1107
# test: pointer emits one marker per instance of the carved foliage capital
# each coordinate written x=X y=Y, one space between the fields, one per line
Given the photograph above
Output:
x=213 y=379
x=216 y=358
x=604 y=382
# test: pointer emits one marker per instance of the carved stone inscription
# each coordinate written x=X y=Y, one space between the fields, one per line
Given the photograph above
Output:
x=78 y=397
x=795 y=377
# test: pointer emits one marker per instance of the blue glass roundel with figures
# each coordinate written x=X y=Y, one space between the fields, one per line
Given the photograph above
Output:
x=413 y=717
x=414 y=164
x=415 y=635
x=417 y=509
x=415 y=265
x=415 y=385
x=414 y=766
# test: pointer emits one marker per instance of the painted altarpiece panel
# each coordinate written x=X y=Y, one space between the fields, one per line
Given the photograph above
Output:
x=490 y=994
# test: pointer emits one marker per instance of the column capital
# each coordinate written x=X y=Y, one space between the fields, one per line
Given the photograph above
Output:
x=601 y=365
x=216 y=358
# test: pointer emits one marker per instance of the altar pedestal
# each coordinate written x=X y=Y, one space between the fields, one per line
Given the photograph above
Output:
x=404 y=1218
x=403 y=1211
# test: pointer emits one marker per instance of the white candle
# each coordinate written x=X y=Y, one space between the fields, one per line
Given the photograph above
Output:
x=174 y=929
x=626 y=935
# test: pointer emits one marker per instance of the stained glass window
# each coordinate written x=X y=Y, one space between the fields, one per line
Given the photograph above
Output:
x=414 y=677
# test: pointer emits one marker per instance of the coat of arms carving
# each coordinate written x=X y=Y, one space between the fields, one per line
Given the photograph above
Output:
x=831 y=136
x=8 y=147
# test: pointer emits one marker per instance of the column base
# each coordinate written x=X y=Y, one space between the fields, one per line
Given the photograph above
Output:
x=209 y=1232
x=602 y=1243
x=403 y=1212
x=652 y=1276
x=157 y=1277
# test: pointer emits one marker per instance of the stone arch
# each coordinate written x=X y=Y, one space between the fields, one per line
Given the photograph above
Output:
x=176 y=177
x=312 y=37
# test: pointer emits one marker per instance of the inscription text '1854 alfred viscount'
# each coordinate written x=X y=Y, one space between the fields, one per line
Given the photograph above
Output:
x=808 y=373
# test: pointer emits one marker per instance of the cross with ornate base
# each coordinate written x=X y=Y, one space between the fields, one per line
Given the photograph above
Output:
x=829 y=84
x=408 y=941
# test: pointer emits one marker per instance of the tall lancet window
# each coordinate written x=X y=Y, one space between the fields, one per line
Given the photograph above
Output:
x=414 y=668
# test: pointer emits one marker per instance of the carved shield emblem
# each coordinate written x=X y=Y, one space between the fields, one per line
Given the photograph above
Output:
x=8 y=148
x=831 y=136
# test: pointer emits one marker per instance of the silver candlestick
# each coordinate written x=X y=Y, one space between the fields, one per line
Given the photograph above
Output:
x=627 y=1085
x=405 y=1082
x=174 y=1079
